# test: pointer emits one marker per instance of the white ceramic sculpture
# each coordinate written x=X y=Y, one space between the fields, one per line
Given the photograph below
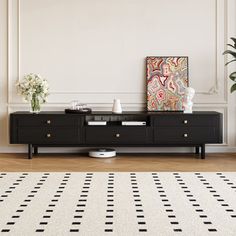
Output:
x=116 y=106
x=188 y=104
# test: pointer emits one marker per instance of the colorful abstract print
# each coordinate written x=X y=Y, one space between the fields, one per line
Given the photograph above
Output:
x=167 y=78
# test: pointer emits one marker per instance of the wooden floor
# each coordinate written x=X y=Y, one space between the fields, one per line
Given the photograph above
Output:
x=123 y=162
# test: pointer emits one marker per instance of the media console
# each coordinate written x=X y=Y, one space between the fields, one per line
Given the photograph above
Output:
x=53 y=129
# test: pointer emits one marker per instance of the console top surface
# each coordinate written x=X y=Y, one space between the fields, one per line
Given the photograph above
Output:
x=156 y=113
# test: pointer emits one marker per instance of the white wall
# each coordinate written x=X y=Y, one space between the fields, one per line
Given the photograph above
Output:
x=95 y=51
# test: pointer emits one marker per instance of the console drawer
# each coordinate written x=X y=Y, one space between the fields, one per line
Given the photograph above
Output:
x=116 y=135
x=194 y=135
x=60 y=135
x=185 y=120
x=48 y=120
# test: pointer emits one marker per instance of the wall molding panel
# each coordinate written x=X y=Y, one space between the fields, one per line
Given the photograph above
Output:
x=203 y=39
x=216 y=93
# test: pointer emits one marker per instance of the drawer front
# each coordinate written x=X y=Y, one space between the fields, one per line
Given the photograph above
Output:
x=116 y=135
x=61 y=135
x=48 y=120
x=194 y=135
x=185 y=120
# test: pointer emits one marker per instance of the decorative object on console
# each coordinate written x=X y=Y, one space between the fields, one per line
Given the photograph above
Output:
x=116 y=106
x=97 y=122
x=79 y=108
x=232 y=76
x=81 y=111
x=167 y=78
x=134 y=123
x=188 y=104
x=34 y=89
x=74 y=104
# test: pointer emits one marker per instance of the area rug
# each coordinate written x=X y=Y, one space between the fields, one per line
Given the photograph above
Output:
x=118 y=203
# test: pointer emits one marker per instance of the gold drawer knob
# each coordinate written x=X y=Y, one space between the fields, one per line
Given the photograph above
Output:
x=185 y=121
x=185 y=135
x=48 y=135
x=48 y=121
x=117 y=135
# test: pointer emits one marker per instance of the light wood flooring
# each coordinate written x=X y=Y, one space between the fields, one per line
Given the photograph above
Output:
x=123 y=162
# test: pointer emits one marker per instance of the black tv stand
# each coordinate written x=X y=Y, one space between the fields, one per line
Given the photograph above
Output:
x=162 y=129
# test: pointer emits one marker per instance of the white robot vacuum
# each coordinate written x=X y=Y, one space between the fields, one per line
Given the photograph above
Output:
x=102 y=153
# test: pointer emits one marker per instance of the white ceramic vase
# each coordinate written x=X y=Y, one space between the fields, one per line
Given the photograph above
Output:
x=116 y=106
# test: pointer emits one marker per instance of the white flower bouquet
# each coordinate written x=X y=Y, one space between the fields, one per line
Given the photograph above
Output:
x=34 y=89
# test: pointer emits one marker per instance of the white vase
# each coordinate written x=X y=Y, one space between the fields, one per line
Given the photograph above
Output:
x=116 y=106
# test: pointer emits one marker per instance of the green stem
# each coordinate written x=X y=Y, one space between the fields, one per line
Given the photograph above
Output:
x=35 y=104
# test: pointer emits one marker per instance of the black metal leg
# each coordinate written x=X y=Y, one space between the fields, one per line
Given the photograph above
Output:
x=35 y=150
x=197 y=149
x=29 y=151
x=203 y=151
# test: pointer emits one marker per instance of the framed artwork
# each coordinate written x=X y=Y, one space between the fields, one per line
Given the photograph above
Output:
x=167 y=78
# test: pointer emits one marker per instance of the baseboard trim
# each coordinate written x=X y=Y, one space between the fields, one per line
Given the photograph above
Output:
x=209 y=149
